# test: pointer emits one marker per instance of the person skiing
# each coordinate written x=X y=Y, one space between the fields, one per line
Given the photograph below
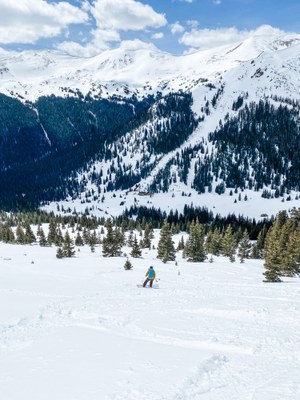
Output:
x=150 y=276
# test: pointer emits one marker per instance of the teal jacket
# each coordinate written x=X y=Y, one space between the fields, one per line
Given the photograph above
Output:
x=150 y=274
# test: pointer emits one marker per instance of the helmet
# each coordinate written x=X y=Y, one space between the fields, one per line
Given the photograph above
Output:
x=151 y=266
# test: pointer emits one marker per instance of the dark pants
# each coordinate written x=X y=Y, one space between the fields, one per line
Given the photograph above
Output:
x=147 y=280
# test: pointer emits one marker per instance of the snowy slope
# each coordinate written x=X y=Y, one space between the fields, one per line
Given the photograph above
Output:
x=80 y=329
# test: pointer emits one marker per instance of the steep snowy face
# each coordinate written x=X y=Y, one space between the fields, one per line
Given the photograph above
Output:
x=139 y=69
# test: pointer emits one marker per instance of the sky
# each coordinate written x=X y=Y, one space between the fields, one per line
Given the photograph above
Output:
x=89 y=27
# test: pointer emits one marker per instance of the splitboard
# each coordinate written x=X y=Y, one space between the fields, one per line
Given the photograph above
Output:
x=154 y=286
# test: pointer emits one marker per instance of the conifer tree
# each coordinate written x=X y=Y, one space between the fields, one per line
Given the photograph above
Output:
x=130 y=238
x=213 y=242
x=113 y=241
x=78 y=240
x=92 y=241
x=59 y=238
x=258 y=247
x=52 y=232
x=292 y=264
x=194 y=248
x=148 y=235
x=165 y=248
x=60 y=253
x=136 y=251
x=244 y=247
x=29 y=235
x=181 y=244
x=128 y=265
x=6 y=234
x=68 y=246
x=228 y=244
x=20 y=235
x=273 y=254
x=42 y=237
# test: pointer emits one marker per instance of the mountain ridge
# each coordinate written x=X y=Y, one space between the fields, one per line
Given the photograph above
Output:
x=221 y=82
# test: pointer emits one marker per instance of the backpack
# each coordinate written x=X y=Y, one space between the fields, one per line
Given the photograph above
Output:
x=151 y=273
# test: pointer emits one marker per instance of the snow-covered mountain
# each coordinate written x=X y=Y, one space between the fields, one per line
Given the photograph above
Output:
x=139 y=66
x=222 y=81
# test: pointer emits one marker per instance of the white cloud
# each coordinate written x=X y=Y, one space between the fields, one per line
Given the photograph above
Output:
x=101 y=41
x=26 y=21
x=193 y=23
x=111 y=17
x=217 y=2
x=177 y=28
x=158 y=35
x=126 y=15
x=208 y=38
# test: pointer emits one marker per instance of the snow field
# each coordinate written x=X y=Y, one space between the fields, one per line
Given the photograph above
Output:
x=80 y=329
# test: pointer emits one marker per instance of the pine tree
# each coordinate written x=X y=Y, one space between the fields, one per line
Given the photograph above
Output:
x=181 y=244
x=59 y=239
x=273 y=254
x=42 y=238
x=148 y=235
x=213 y=242
x=78 y=240
x=130 y=239
x=244 y=247
x=228 y=244
x=289 y=244
x=68 y=246
x=128 y=265
x=20 y=235
x=6 y=234
x=194 y=248
x=60 y=253
x=165 y=248
x=258 y=247
x=92 y=241
x=29 y=235
x=113 y=241
x=52 y=232
x=136 y=251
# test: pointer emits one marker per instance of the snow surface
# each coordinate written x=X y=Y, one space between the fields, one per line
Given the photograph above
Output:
x=80 y=329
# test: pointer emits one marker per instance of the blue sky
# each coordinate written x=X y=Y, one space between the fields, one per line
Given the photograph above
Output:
x=87 y=27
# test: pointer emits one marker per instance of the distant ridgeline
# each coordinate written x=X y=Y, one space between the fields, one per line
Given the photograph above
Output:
x=46 y=146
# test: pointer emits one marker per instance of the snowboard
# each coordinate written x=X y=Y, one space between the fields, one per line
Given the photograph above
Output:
x=154 y=286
